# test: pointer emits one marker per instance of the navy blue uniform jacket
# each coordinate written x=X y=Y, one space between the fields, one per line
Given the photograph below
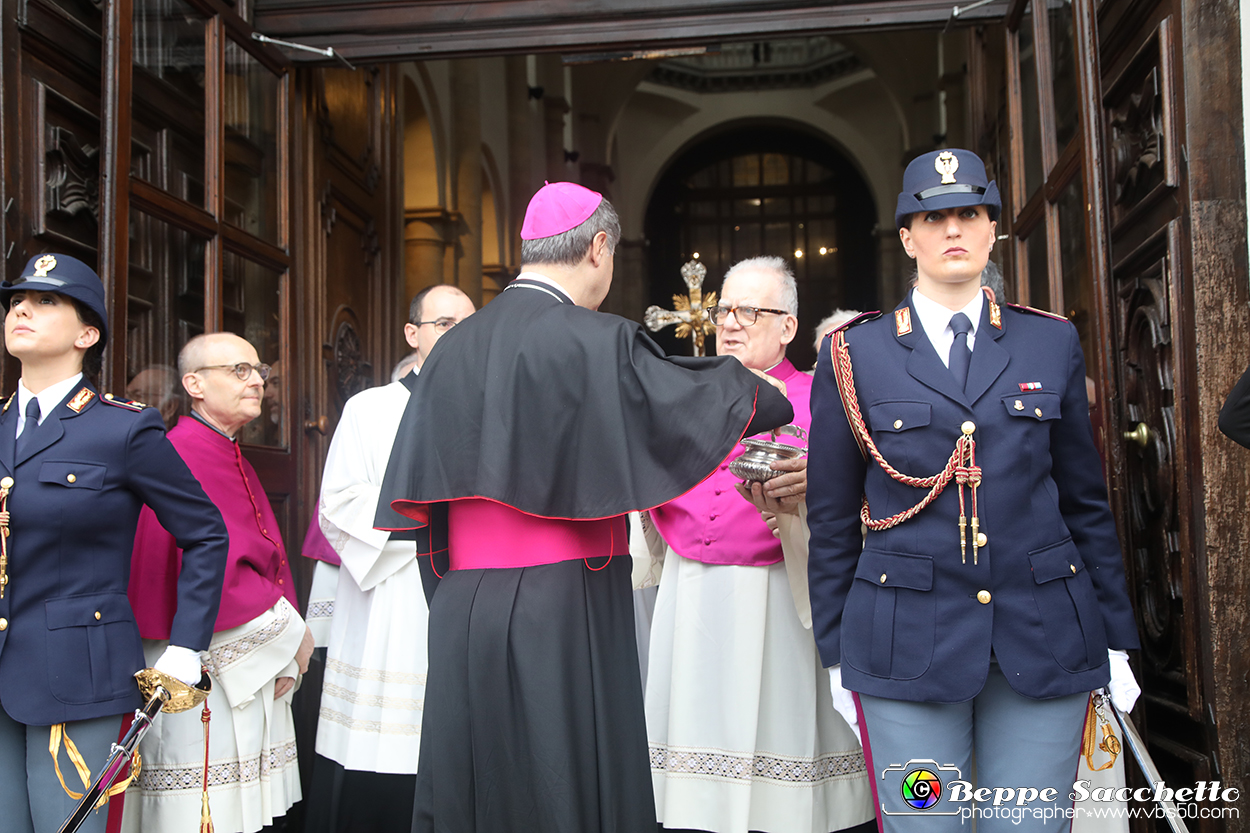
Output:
x=903 y=616
x=70 y=645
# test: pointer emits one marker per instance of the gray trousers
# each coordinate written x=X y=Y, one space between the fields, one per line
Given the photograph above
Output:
x=30 y=794
x=919 y=750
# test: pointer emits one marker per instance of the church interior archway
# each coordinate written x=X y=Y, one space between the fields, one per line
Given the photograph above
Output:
x=765 y=189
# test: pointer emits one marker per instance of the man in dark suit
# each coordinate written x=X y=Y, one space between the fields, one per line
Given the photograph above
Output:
x=977 y=614
x=75 y=469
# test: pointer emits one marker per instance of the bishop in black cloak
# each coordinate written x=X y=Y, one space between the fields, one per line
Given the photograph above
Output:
x=534 y=427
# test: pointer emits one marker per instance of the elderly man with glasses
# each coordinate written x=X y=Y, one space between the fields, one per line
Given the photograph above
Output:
x=740 y=721
x=260 y=644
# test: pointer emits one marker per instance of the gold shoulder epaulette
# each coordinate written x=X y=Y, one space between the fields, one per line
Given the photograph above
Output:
x=128 y=404
x=1036 y=311
x=859 y=319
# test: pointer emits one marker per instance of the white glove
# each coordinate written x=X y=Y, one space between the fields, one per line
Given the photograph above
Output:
x=1123 y=688
x=843 y=701
x=181 y=664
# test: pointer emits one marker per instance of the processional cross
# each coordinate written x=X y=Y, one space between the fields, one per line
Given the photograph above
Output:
x=689 y=312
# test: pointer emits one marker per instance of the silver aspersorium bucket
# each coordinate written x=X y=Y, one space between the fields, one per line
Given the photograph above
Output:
x=755 y=464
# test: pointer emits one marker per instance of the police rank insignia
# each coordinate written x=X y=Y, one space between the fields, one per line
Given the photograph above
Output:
x=44 y=265
x=996 y=315
x=946 y=164
x=80 y=400
x=902 y=321
x=128 y=404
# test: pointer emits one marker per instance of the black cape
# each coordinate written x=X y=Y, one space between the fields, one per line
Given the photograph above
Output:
x=564 y=412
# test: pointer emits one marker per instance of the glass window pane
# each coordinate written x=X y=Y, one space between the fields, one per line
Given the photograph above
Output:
x=169 y=58
x=1030 y=114
x=746 y=170
x=778 y=241
x=165 y=308
x=1063 y=71
x=1039 y=269
x=776 y=169
x=747 y=208
x=250 y=112
x=252 y=300
x=777 y=205
x=1077 y=286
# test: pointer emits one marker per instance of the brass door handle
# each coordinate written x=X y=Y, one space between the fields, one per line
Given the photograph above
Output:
x=1139 y=435
x=321 y=424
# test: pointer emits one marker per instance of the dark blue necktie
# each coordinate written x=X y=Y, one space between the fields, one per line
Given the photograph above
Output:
x=28 y=430
x=960 y=356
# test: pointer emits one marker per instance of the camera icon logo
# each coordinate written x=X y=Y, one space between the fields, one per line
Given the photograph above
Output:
x=921 y=783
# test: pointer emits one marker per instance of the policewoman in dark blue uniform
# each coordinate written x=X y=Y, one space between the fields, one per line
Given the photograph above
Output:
x=978 y=613
x=75 y=468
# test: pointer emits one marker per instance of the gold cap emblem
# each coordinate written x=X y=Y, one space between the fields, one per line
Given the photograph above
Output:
x=44 y=265
x=946 y=164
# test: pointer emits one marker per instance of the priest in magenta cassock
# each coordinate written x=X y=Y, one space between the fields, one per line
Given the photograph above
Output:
x=741 y=724
x=260 y=644
x=539 y=423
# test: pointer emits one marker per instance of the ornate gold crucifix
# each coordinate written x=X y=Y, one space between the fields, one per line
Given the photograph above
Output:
x=689 y=312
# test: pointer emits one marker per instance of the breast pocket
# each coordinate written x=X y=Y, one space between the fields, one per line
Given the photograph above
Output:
x=1069 y=607
x=73 y=475
x=93 y=647
x=1036 y=406
x=889 y=622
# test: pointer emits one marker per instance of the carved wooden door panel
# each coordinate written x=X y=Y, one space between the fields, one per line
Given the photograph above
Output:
x=348 y=208
x=1152 y=463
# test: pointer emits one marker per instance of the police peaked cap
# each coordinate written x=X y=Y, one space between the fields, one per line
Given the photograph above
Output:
x=950 y=178
x=63 y=275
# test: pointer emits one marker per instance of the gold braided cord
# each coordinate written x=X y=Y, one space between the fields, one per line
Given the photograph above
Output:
x=960 y=467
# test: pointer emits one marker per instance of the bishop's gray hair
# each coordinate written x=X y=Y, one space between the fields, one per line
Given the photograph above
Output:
x=568 y=248
x=778 y=266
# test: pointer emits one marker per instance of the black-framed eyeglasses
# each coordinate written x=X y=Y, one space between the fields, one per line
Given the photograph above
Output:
x=242 y=370
x=746 y=315
x=441 y=325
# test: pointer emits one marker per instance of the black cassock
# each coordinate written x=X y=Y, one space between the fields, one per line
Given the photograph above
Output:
x=533 y=713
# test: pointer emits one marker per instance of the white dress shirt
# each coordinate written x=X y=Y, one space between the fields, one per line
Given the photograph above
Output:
x=49 y=398
x=936 y=321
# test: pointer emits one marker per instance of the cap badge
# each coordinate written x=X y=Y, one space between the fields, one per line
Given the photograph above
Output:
x=44 y=265
x=946 y=164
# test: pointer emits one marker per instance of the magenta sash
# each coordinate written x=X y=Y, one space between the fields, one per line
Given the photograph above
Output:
x=484 y=534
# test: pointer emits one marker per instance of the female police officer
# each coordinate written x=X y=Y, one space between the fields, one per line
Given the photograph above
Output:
x=978 y=612
x=75 y=468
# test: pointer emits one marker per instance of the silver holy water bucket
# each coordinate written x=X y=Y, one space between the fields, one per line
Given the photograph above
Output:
x=755 y=463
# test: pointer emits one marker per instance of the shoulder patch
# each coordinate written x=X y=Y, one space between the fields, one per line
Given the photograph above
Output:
x=1035 y=311
x=859 y=319
x=117 y=402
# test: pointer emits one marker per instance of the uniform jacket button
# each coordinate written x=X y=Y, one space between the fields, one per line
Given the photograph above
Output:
x=983 y=597
x=1037 y=411
x=883 y=578
x=898 y=423
x=982 y=539
x=968 y=427
x=71 y=477
x=97 y=616
x=4 y=624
